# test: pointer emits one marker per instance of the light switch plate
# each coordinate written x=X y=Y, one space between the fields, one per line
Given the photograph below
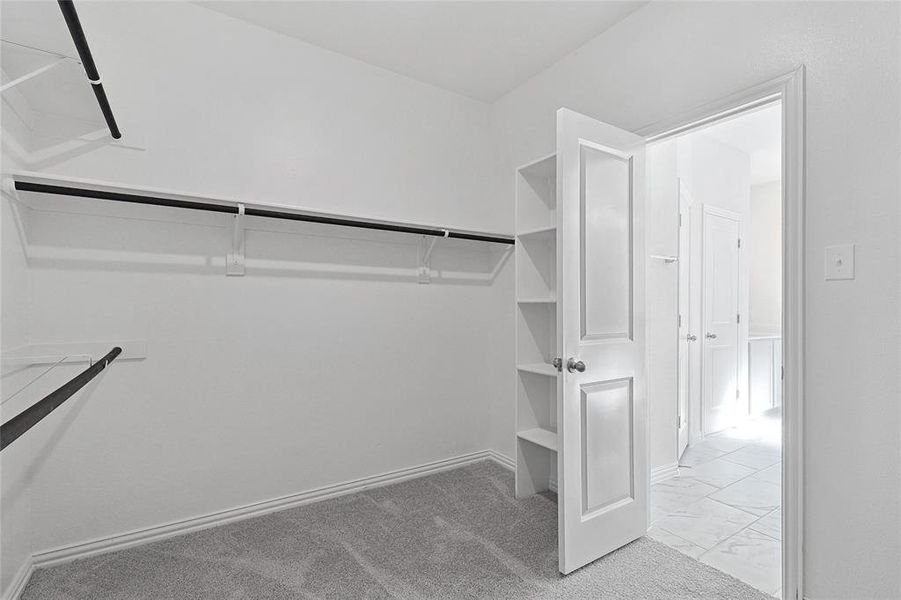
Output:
x=840 y=262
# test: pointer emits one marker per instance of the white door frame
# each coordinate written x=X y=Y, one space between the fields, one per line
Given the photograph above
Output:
x=789 y=89
x=684 y=400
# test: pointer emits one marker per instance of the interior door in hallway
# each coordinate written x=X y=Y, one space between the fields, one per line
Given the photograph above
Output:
x=602 y=419
x=721 y=297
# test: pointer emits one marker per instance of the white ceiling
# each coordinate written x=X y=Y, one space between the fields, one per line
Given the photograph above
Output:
x=758 y=134
x=479 y=49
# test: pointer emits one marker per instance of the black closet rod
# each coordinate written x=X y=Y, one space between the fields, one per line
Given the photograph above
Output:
x=31 y=416
x=42 y=188
x=87 y=61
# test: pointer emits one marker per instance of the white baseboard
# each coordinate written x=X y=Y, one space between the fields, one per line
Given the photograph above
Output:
x=17 y=585
x=510 y=464
x=139 y=537
x=503 y=460
x=664 y=472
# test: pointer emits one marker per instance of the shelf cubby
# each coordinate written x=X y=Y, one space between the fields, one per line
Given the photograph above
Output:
x=535 y=393
x=544 y=369
x=537 y=385
x=536 y=268
x=541 y=437
x=546 y=235
x=536 y=300
x=536 y=194
x=536 y=332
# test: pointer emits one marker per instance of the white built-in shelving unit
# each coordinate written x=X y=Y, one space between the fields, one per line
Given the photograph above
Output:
x=536 y=326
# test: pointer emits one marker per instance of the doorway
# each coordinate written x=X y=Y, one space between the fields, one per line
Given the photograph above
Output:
x=715 y=261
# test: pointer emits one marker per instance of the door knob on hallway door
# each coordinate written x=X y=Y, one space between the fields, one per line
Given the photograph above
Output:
x=691 y=337
x=572 y=365
x=711 y=336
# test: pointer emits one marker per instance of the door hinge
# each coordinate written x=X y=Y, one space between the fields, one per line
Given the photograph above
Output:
x=782 y=373
x=738 y=318
x=738 y=393
x=739 y=242
x=678 y=320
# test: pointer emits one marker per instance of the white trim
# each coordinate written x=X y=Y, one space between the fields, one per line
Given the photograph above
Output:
x=503 y=460
x=789 y=89
x=20 y=580
x=710 y=209
x=139 y=537
x=793 y=324
x=664 y=472
x=733 y=104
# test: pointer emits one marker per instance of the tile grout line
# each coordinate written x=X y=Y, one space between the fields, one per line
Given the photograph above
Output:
x=719 y=489
x=748 y=527
x=676 y=535
x=725 y=454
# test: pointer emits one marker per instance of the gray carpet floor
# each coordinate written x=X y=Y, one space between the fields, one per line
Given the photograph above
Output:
x=455 y=534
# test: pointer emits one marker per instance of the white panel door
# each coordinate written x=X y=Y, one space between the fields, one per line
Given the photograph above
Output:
x=721 y=288
x=602 y=422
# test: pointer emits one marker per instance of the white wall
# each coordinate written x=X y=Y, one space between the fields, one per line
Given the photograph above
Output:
x=15 y=494
x=670 y=57
x=662 y=308
x=327 y=361
x=230 y=109
x=715 y=173
x=766 y=259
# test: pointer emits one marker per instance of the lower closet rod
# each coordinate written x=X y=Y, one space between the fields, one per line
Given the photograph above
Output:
x=42 y=188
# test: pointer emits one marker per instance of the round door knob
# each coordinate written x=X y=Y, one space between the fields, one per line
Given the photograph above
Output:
x=711 y=336
x=573 y=365
x=691 y=337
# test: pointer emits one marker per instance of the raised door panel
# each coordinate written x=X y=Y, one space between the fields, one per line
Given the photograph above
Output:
x=606 y=249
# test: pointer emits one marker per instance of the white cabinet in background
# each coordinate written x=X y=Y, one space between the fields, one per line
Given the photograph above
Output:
x=765 y=373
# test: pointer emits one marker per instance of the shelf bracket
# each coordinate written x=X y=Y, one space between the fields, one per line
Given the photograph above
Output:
x=426 y=245
x=234 y=262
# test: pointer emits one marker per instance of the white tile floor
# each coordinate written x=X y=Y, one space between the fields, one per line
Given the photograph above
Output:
x=724 y=507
